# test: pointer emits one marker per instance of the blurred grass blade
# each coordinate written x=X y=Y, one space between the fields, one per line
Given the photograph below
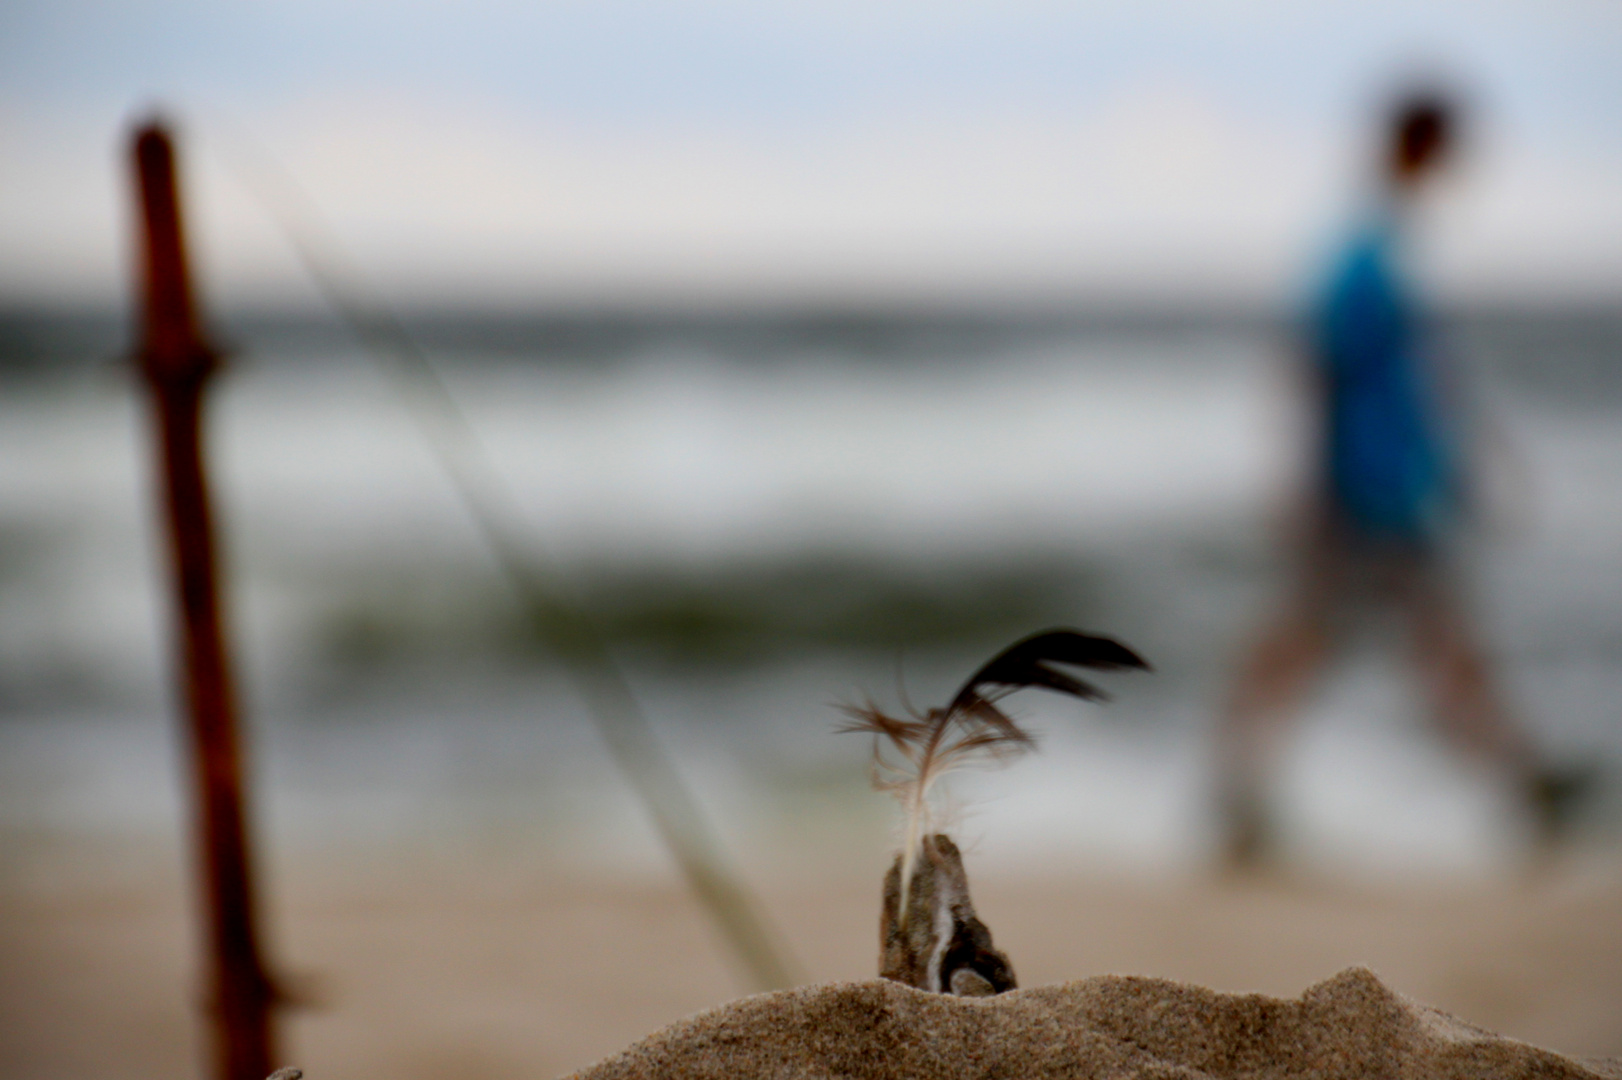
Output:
x=559 y=618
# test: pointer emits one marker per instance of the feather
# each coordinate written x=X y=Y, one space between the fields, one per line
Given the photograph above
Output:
x=1025 y=663
x=910 y=754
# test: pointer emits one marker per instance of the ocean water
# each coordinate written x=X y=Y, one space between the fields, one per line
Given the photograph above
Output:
x=773 y=519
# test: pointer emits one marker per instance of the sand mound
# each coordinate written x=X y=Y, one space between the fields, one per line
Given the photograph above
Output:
x=1111 y=1026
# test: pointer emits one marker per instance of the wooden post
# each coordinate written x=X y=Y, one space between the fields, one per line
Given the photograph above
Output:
x=177 y=363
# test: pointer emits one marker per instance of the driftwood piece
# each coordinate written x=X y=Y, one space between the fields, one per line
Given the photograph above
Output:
x=941 y=946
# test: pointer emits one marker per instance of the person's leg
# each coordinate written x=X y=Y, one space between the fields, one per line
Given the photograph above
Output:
x=1468 y=709
x=1465 y=703
x=1279 y=670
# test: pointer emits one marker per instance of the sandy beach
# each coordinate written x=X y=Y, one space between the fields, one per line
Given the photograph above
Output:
x=431 y=963
x=457 y=881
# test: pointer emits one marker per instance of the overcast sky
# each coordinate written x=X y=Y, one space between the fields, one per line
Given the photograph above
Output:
x=546 y=153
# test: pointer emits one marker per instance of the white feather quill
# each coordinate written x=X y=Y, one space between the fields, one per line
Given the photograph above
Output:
x=910 y=754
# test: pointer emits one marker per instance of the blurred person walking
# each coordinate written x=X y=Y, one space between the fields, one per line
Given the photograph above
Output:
x=1390 y=494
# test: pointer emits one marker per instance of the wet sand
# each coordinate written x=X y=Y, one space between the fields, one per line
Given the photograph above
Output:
x=454 y=963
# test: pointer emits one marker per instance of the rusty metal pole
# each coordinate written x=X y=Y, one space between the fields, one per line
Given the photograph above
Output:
x=177 y=363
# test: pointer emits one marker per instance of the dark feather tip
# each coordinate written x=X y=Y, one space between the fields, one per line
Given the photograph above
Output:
x=1025 y=664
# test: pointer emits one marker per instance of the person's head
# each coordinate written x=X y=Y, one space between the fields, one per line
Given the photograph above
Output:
x=1421 y=137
